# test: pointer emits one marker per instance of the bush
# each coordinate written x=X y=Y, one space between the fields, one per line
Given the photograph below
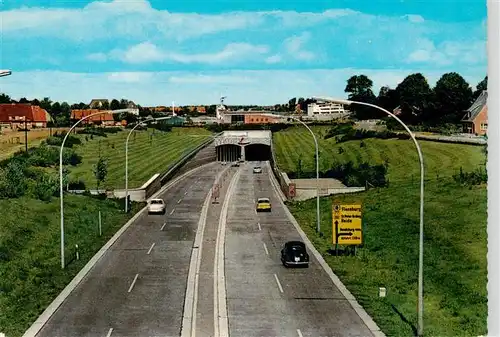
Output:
x=363 y=134
x=93 y=131
x=351 y=175
x=13 y=183
x=339 y=129
x=56 y=140
x=46 y=187
x=476 y=177
x=76 y=185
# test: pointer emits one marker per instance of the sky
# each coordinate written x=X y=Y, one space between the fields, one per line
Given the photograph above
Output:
x=254 y=52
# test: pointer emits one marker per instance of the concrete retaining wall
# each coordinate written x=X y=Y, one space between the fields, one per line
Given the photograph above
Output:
x=186 y=163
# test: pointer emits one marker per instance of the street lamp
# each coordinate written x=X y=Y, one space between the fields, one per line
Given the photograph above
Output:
x=420 y=329
x=318 y=220
x=5 y=73
x=61 y=194
x=149 y=119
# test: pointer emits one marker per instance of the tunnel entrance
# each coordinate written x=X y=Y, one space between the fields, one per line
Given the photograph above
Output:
x=257 y=152
x=228 y=152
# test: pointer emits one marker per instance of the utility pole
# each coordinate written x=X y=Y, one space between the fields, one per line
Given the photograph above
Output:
x=26 y=134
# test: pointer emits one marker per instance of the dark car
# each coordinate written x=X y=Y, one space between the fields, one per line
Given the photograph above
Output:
x=294 y=254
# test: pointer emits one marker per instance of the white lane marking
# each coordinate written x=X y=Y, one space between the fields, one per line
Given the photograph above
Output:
x=163 y=226
x=172 y=211
x=179 y=201
x=151 y=248
x=186 y=192
x=278 y=281
x=191 y=297
x=299 y=333
x=109 y=332
x=221 y=323
x=258 y=224
x=265 y=248
x=135 y=279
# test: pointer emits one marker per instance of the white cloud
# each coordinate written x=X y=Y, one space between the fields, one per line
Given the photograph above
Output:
x=448 y=52
x=143 y=53
x=295 y=46
x=147 y=52
x=414 y=18
x=130 y=77
x=274 y=59
x=241 y=87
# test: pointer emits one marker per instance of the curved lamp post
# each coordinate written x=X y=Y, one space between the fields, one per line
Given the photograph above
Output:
x=126 y=153
x=318 y=219
x=61 y=194
x=420 y=329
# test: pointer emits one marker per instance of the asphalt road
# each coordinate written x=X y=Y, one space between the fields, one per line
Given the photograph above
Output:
x=263 y=297
x=137 y=288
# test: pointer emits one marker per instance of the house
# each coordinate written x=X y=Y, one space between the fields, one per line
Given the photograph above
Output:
x=326 y=111
x=104 y=119
x=98 y=103
x=21 y=115
x=475 y=120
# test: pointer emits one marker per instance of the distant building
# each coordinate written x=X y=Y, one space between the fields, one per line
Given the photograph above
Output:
x=175 y=121
x=326 y=111
x=103 y=119
x=21 y=115
x=475 y=120
x=98 y=103
x=249 y=117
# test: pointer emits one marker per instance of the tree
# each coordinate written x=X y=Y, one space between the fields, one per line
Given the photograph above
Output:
x=359 y=88
x=414 y=98
x=100 y=171
x=14 y=182
x=4 y=98
x=46 y=104
x=24 y=100
x=105 y=106
x=452 y=96
x=115 y=105
x=483 y=85
x=184 y=110
x=292 y=103
x=124 y=103
x=387 y=98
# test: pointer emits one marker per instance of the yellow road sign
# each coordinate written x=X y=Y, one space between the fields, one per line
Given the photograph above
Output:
x=347 y=224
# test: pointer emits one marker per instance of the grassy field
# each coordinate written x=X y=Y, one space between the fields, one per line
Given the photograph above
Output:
x=149 y=152
x=455 y=295
x=9 y=144
x=30 y=271
x=443 y=159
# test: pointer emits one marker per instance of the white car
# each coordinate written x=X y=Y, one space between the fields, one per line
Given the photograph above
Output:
x=257 y=169
x=156 y=206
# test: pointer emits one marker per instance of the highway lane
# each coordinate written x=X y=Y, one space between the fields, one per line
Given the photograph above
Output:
x=137 y=288
x=263 y=297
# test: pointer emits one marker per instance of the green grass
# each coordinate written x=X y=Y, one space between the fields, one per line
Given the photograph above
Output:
x=30 y=271
x=455 y=268
x=146 y=156
x=443 y=159
x=455 y=274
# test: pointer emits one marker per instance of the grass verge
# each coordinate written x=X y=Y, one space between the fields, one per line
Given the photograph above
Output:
x=440 y=159
x=455 y=247
x=149 y=152
x=30 y=270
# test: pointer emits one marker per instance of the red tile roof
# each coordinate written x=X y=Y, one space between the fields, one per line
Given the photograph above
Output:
x=23 y=111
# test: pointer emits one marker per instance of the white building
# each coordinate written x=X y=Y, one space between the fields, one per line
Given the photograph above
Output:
x=319 y=109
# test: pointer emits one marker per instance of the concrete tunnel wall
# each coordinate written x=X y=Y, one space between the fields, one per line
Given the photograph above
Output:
x=228 y=152
x=251 y=152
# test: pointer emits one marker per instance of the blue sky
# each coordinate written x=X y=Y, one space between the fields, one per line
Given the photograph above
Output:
x=255 y=52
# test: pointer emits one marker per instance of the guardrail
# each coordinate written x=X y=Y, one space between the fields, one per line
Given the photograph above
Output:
x=172 y=170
